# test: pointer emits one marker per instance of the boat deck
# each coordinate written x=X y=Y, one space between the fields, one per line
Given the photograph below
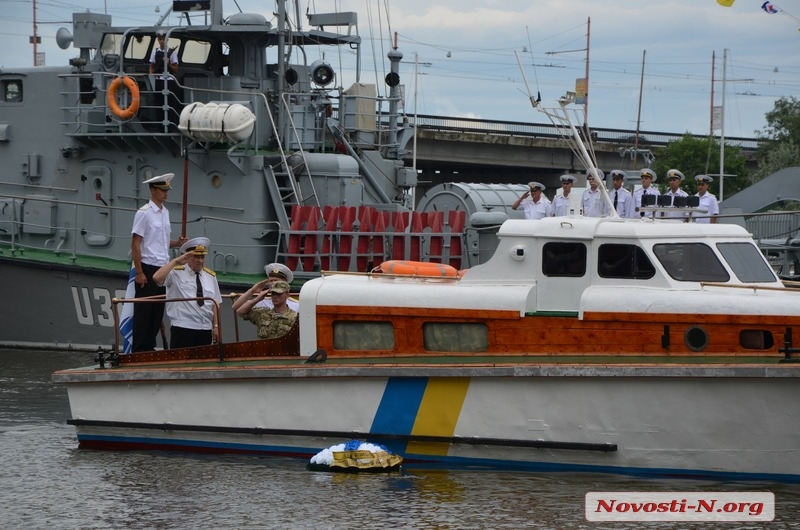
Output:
x=439 y=366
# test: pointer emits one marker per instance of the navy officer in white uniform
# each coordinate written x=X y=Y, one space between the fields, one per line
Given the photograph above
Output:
x=593 y=203
x=648 y=176
x=150 y=243
x=707 y=200
x=560 y=205
x=620 y=197
x=193 y=322
x=533 y=202
x=674 y=181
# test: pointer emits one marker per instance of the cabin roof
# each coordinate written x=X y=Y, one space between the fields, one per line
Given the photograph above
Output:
x=586 y=228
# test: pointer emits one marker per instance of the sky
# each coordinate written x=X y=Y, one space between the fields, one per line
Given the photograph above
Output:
x=460 y=56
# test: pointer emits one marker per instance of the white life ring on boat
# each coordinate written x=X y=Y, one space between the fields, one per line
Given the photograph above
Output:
x=111 y=98
x=418 y=268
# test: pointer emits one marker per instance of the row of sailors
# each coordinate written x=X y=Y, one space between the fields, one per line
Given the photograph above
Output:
x=536 y=206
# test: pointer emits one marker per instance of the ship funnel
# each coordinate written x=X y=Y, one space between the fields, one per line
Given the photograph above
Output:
x=63 y=38
x=321 y=73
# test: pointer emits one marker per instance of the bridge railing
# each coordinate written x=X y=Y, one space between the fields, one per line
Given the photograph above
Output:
x=548 y=130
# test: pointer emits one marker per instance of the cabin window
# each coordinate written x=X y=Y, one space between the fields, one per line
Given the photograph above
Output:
x=691 y=262
x=455 y=336
x=564 y=259
x=624 y=261
x=111 y=44
x=747 y=262
x=359 y=335
x=12 y=90
x=195 y=52
x=138 y=47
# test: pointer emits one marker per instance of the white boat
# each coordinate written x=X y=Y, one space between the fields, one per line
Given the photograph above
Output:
x=584 y=344
x=642 y=346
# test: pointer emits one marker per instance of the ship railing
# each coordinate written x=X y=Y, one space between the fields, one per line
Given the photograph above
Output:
x=160 y=299
x=356 y=239
x=88 y=113
x=70 y=228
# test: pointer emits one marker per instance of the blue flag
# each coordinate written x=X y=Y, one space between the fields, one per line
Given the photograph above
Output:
x=126 y=315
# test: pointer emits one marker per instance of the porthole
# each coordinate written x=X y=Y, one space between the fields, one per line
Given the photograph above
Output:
x=696 y=338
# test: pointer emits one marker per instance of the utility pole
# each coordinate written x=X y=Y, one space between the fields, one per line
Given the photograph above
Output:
x=35 y=39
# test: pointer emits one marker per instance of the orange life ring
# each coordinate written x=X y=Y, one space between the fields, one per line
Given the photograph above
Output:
x=111 y=98
x=418 y=268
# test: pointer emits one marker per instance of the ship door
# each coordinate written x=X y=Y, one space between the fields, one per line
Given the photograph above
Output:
x=96 y=210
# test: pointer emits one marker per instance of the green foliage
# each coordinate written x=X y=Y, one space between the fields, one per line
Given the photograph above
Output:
x=694 y=156
x=780 y=139
x=778 y=156
x=783 y=122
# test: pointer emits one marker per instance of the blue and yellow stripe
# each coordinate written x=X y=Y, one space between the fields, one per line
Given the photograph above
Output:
x=420 y=406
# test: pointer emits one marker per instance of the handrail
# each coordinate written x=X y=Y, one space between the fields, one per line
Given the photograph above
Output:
x=158 y=299
x=748 y=286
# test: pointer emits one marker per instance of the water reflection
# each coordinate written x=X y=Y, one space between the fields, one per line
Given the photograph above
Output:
x=48 y=483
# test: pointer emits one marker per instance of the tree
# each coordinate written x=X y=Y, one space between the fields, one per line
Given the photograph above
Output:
x=700 y=156
x=779 y=145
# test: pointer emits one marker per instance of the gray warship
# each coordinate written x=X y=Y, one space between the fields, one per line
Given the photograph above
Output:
x=274 y=160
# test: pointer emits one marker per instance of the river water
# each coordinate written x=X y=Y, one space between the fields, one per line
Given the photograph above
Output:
x=47 y=482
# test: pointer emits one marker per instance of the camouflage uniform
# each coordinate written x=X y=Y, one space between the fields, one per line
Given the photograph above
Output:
x=271 y=324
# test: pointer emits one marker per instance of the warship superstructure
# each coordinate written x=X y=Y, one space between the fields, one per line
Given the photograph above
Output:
x=275 y=160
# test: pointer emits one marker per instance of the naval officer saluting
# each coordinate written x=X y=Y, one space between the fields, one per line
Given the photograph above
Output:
x=195 y=322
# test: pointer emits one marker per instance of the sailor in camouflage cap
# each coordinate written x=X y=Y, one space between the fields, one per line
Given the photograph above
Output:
x=274 y=322
x=279 y=288
x=275 y=272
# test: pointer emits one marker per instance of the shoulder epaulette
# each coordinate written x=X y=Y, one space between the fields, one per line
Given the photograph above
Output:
x=179 y=267
x=212 y=273
x=145 y=207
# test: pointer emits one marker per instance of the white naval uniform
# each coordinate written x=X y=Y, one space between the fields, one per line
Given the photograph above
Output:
x=181 y=283
x=152 y=224
x=535 y=210
x=637 y=197
x=624 y=202
x=593 y=203
x=679 y=213
x=707 y=202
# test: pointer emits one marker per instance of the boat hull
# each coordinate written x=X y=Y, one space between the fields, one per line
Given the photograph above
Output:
x=60 y=306
x=694 y=421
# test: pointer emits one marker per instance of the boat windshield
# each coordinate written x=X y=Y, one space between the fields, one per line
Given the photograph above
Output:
x=691 y=262
x=747 y=262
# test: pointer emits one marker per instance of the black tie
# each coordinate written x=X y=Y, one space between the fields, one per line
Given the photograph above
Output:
x=615 y=198
x=199 y=289
x=644 y=192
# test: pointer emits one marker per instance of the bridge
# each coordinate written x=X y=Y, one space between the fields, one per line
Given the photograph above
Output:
x=487 y=151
